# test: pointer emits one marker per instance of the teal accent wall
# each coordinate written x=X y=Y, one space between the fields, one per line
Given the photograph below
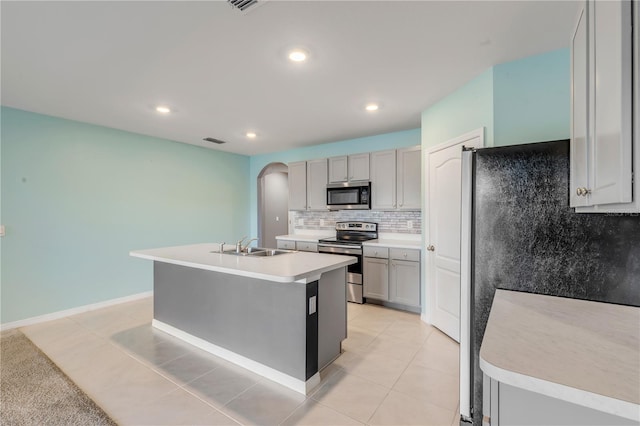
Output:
x=351 y=146
x=522 y=101
x=531 y=99
x=76 y=198
x=466 y=109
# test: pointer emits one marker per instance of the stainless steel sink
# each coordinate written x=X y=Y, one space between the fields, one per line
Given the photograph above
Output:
x=270 y=252
x=258 y=252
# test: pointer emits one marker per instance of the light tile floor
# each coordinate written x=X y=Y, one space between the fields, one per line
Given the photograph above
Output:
x=395 y=370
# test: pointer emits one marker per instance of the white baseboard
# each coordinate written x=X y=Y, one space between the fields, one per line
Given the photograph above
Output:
x=424 y=318
x=292 y=383
x=73 y=311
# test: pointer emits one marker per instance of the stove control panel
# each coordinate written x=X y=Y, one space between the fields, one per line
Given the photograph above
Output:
x=356 y=226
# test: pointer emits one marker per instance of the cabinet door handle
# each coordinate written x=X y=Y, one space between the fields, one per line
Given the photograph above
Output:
x=583 y=192
x=431 y=248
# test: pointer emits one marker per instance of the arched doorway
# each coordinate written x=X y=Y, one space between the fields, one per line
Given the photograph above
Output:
x=273 y=203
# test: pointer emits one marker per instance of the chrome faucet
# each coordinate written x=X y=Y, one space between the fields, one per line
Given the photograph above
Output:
x=240 y=248
x=222 y=247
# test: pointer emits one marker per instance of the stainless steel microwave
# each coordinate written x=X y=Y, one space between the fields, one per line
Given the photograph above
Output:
x=349 y=196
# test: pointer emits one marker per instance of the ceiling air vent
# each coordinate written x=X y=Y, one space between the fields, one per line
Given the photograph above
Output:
x=245 y=5
x=214 y=140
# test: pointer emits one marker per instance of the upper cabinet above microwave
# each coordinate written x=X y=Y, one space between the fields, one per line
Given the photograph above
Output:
x=605 y=152
x=350 y=168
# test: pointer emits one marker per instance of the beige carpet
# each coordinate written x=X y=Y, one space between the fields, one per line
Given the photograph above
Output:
x=33 y=390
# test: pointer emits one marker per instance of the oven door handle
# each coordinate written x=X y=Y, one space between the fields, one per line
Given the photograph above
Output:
x=331 y=248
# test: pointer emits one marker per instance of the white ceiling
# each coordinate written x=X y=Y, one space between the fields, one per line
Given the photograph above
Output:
x=224 y=72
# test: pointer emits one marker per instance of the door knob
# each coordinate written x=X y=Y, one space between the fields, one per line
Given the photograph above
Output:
x=431 y=248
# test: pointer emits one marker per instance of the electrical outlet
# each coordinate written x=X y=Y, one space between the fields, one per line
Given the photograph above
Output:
x=312 y=305
x=409 y=224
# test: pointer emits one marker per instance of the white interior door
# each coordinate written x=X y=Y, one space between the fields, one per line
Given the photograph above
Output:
x=443 y=197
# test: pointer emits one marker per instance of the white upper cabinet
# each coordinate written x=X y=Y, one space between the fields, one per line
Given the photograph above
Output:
x=338 y=169
x=396 y=179
x=603 y=151
x=349 y=168
x=409 y=186
x=579 y=110
x=308 y=185
x=383 y=180
x=298 y=185
x=317 y=184
x=358 y=166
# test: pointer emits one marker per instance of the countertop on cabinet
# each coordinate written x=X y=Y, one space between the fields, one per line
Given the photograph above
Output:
x=583 y=352
x=304 y=237
x=296 y=266
x=393 y=243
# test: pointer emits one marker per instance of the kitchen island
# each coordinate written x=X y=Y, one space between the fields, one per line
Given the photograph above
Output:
x=283 y=317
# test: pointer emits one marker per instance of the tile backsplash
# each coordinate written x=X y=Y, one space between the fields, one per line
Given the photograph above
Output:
x=388 y=221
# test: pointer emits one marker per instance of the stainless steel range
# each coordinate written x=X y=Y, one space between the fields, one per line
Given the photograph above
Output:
x=348 y=241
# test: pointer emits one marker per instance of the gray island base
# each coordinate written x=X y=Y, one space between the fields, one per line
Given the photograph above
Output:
x=286 y=329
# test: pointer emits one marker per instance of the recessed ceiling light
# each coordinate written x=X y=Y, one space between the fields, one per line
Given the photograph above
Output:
x=298 y=55
x=163 y=109
x=371 y=107
x=251 y=135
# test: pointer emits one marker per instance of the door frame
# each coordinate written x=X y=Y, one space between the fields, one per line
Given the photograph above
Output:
x=427 y=308
x=267 y=170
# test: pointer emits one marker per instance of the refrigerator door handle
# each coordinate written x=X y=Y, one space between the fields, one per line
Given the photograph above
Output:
x=466 y=218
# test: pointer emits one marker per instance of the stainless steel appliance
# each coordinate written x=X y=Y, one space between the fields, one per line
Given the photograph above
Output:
x=348 y=241
x=349 y=196
x=519 y=233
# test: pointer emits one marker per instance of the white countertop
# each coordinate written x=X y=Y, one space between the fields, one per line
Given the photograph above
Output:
x=583 y=352
x=383 y=242
x=291 y=267
x=304 y=237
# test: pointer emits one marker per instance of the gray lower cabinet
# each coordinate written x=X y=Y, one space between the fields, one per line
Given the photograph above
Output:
x=393 y=276
x=306 y=246
x=376 y=276
x=297 y=245
x=286 y=244
x=404 y=282
x=510 y=405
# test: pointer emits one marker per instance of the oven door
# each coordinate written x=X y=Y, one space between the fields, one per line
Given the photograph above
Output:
x=354 y=272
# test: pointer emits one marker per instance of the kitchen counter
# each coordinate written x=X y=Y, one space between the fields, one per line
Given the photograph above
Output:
x=582 y=352
x=298 y=267
x=393 y=243
x=304 y=237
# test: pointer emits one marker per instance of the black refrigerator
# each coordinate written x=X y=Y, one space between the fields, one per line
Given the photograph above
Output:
x=519 y=233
